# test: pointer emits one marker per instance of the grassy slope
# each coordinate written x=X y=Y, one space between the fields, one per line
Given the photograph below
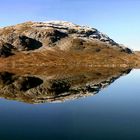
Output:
x=106 y=57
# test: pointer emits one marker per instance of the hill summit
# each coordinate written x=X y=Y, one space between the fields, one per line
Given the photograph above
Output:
x=60 y=40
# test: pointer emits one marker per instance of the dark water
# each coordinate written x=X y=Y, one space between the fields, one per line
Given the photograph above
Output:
x=112 y=114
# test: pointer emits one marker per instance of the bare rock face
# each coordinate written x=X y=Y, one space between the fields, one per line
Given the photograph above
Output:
x=32 y=36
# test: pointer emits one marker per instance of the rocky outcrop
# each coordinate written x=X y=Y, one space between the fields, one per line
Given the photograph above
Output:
x=24 y=43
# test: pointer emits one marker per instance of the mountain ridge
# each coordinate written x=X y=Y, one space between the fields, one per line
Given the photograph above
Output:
x=39 y=39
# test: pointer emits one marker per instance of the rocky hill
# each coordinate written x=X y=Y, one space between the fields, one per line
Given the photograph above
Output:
x=60 y=43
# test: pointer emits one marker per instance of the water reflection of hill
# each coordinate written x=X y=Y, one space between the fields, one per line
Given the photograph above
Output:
x=50 y=84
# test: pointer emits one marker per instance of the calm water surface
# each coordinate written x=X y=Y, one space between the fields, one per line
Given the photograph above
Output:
x=112 y=114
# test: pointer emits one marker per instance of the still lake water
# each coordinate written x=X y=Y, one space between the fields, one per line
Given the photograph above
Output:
x=112 y=114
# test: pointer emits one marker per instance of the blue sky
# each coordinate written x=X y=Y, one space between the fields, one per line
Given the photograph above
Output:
x=120 y=19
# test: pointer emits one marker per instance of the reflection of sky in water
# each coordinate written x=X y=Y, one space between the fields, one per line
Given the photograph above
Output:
x=112 y=114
